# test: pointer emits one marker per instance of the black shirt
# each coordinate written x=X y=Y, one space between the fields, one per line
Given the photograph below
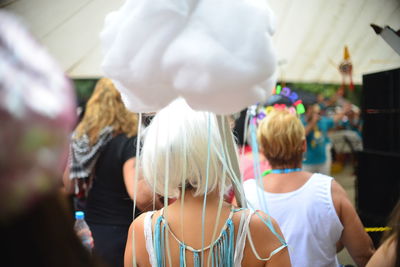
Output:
x=108 y=201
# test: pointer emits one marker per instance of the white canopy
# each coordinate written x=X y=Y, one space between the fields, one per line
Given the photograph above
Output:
x=309 y=39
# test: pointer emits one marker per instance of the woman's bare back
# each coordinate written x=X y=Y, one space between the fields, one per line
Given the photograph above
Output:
x=188 y=230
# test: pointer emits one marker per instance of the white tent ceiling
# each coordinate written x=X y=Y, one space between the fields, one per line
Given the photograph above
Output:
x=310 y=35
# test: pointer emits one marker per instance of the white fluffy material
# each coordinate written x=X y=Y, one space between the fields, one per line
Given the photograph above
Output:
x=217 y=54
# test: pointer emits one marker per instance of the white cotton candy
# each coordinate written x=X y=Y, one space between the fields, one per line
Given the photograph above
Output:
x=217 y=54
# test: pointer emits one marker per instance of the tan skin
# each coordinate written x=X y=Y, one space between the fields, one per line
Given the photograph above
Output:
x=353 y=237
x=264 y=240
x=385 y=256
x=144 y=196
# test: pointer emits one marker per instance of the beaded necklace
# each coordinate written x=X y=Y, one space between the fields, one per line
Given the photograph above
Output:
x=280 y=171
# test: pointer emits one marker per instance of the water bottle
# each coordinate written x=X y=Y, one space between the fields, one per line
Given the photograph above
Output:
x=83 y=231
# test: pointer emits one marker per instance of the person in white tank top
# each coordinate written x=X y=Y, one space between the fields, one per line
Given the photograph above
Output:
x=313 y=210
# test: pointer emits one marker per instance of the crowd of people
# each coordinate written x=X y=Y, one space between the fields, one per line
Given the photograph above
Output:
x=333 y=127
x=163 y=201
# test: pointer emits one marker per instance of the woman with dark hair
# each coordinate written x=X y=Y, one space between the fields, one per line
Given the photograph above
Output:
x=388 y=253
x=103 y=150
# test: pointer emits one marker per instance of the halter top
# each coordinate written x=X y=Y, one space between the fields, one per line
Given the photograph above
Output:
x=223 y=250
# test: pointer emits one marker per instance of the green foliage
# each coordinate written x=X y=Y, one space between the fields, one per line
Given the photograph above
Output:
x=328 y=90
x=84 y=89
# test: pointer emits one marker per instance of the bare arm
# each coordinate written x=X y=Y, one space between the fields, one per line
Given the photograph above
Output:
x=265 y=242
x=69 y=185
x=280 y=259
x=332 y=100
x=136 y=234
x=311 y=124
x=144 y=197
x=354 y=237
x=385 y=256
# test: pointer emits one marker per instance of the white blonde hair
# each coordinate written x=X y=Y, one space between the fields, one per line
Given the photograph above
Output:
x=175 y=151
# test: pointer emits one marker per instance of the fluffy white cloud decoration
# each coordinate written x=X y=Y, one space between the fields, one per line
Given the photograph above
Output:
x=217 y=54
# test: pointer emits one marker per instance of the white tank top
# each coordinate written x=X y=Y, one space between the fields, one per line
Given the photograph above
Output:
x=307 y=218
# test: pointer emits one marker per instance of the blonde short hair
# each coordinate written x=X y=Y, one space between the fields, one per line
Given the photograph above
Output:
x=176 y=147
x=281 y=135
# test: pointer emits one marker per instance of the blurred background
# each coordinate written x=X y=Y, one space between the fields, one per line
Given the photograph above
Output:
x=322 y=46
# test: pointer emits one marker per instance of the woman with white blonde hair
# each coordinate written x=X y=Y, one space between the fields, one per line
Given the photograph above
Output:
x=313 y=210
x=183 y=158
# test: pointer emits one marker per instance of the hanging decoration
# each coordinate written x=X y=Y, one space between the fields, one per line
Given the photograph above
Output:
x=346 y=70
x=204 y=51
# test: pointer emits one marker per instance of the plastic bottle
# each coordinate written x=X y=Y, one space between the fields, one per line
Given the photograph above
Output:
x=83 y=230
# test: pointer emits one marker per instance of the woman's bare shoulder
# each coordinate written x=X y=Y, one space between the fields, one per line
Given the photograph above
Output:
x=265 y=224
x=263 y=228
x=269 y=242
x=385 y=256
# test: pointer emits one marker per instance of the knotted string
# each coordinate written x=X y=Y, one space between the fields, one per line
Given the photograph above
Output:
x=221 y=250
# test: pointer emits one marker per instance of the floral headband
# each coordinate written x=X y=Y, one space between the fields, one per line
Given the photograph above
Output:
x=259 y=112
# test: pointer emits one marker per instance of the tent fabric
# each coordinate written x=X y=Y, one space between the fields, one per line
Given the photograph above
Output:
x=310 y=35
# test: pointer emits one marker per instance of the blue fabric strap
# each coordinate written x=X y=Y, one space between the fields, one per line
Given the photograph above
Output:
x=163 y=244
x=231 y=229
x=196 y=259
x=157 y=241
x=182 y=256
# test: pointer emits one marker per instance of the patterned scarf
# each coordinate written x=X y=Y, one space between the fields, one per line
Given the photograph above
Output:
x=83 y=156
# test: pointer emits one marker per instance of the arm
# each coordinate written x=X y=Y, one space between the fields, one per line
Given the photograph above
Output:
x=281 y=259
x=385 y=256
x=354 y=237
x=137 y=227
x=69 y=185
x=265 y=241
x=144 y=197
x=332 y=100
x=311 y=124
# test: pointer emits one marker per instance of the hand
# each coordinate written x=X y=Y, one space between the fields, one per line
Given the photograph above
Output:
x=85 y=235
